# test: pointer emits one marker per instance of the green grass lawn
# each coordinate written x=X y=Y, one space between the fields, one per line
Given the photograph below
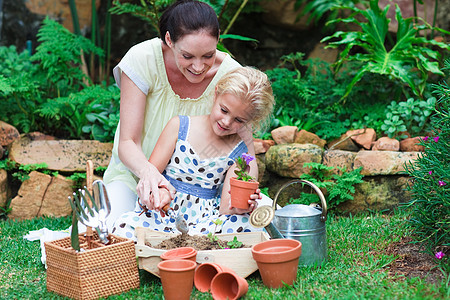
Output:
x=357 y=266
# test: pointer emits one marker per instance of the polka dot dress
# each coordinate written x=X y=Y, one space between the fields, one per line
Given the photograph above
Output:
x=198 y=183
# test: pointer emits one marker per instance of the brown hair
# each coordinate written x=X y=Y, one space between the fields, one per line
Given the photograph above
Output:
x=188 y=16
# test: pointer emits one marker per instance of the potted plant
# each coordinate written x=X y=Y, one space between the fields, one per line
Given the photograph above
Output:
x=242 y=186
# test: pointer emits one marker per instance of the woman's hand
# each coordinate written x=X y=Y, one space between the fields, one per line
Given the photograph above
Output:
x=150 y=182
x=253 y=204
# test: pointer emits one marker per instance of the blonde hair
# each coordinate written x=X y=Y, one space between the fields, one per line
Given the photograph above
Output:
x=251 y=86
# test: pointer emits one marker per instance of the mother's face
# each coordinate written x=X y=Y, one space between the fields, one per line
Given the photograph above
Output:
x=194 y=54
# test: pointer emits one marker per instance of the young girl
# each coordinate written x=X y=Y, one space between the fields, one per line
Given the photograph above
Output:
x=196 y=155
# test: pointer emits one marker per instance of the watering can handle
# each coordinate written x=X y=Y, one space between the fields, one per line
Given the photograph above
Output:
x=323 y=217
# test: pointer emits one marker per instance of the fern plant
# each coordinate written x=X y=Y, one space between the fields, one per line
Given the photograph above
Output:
x=338 y=187
x=60 y=57
x=408 y=60
x=54 y=95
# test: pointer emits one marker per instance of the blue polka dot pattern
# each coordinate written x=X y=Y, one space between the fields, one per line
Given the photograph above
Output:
x=199 y=212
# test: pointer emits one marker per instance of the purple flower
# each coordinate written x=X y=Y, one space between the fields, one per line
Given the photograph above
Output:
x=430 y=172
x=442 y=183
x=425 y=138
x=439 y=255
x=436 y=139
x=247 y=158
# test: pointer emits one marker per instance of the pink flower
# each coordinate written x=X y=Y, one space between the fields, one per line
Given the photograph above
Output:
x=431 y=172
x=425 y=138
x=442 y=183
x=436 y=139
x=439 y=255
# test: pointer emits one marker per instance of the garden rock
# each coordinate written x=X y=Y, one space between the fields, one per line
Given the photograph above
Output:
x=282 y=13
x=363 y=137
x=39 y=136
x=284 y=134
x=344 y=142
x=287 y=160
x=383 y=162
x=261 y=146
x=61 y=155
x=305 y=137
x=339 y=158
x=386 y=144
x=377 y=193
x=411 y=144
x=8 y=134
x=42 y=195
x=329 y=55
x=3 y=187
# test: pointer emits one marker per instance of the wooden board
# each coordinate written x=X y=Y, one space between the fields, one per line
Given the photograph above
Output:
x=239 y=260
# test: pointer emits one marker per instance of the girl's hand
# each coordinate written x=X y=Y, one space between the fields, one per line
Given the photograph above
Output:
x=150 y=180
x=253 y=204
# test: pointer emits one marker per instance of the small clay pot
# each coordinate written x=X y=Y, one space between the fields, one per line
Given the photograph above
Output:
x=228 y=285
x=205 y=273
x=240 y=192
x=277 y=261
x=180 y=253
x=177 y=278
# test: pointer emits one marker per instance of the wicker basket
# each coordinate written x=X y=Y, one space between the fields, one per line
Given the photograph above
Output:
x=97 y=272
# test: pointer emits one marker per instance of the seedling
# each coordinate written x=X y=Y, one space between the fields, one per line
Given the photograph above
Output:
x=234 y=243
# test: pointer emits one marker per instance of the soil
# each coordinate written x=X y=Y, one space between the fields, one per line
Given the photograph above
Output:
x=198 y=242
x=413 y=261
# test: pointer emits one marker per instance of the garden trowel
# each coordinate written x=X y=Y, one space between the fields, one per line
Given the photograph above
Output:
x=180 y=222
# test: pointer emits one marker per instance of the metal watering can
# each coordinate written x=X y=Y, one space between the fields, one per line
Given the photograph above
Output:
x=297 y=221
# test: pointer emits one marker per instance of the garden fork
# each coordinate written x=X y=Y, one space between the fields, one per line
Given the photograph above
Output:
x=94 y=216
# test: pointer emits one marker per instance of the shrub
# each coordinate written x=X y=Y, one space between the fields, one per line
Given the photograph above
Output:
x=53 y=94
x=430 y=174
x=339 y=187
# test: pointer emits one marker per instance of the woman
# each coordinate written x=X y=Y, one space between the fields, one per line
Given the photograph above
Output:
x=160 y=78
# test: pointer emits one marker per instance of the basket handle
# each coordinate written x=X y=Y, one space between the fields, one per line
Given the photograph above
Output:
x=323 y=217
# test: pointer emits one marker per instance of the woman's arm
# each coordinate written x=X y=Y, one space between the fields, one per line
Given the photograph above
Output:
x=132 y=109
x=225 y=200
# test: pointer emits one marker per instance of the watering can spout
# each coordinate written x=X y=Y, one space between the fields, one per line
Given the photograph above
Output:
x=273 y=231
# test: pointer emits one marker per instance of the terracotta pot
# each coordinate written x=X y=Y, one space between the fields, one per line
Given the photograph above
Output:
x=277 y=261
x=228 y=285
x=205 y=273
x=177 y=278
x=240 y=192
x=180 y=253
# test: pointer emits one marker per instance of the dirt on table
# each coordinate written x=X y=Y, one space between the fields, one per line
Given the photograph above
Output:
x=198 y=242
x=413 y=261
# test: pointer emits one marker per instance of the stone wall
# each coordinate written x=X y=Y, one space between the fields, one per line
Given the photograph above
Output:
x=278 y=161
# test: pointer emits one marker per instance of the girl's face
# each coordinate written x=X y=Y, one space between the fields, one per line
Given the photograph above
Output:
x=229 y=114
x=194 y=54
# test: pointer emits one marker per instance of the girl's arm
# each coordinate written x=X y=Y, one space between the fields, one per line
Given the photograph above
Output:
x=132 y=109
x=225 y=200
x=165 y=145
